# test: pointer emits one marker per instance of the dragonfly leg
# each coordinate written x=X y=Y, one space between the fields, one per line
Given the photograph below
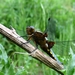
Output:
x=35 y=48
x=25 y=42
x=33 y=51
x=28 y=40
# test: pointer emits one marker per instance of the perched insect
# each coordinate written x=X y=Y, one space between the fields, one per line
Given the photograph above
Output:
x=40 y=39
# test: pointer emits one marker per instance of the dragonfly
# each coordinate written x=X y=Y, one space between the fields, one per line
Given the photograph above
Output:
x=40 y=38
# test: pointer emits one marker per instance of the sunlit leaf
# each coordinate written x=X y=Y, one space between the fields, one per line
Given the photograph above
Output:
x=71 y=64
x=3 y=54
x=1 y=73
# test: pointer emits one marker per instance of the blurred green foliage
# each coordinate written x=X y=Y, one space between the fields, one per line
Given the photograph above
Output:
x=22 y=13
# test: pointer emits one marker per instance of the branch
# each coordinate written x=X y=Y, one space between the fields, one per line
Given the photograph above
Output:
x=37 y=54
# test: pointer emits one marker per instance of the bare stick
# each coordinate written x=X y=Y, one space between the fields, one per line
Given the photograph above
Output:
x=13 y=36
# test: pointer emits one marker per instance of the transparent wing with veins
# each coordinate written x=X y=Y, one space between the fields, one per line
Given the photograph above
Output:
x=53 y=32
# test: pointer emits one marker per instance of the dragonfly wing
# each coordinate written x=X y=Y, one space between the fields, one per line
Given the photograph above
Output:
x=51 y=29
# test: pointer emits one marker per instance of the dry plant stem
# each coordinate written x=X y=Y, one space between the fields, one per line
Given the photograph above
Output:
x=14 y=37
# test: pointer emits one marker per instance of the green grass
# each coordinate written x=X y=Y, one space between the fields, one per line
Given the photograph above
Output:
x=20 y=14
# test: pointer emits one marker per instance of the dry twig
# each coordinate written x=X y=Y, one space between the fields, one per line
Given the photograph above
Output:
x=13 y=36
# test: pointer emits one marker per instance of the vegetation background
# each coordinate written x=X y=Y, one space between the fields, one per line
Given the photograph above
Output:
x=21 y=13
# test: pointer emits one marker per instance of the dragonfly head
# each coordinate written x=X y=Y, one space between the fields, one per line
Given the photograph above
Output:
x=30 y=30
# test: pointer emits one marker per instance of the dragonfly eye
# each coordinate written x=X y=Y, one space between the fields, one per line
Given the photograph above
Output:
x=30 y=30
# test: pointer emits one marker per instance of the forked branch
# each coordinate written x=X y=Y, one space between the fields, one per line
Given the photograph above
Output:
x=13 y=36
